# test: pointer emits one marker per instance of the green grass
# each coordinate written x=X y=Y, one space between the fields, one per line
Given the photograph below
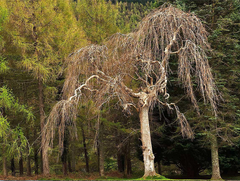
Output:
x=159 y=177
x=137 y=177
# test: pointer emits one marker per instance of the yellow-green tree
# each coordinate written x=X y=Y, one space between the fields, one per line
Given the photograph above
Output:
x=98 y=18
x=41 y=34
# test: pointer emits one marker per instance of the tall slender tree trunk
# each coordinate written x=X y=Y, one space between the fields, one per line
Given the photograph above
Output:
x=127 y=159
x=65 y=169
x=100 y=151
x=69 y=164
x=13 y=167
x=44 y=147
x=129 y=163
x=215 y=159
x=159 y=167
x=120 y=155
x=65 y=153
x=4 y=159
x=73 y=159
x=29 y=170
x=85 y=150
x=120 y=160
x=125 y=164
x=21 y=166
x=148 y=156
x=28 y=159
x=36 y=160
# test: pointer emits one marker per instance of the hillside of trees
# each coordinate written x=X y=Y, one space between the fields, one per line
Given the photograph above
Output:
x=119 y=89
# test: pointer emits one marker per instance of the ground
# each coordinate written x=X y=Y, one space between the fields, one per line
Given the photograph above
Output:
x=113 y=175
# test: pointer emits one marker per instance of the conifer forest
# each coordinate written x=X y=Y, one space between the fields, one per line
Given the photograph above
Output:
x=119 y=89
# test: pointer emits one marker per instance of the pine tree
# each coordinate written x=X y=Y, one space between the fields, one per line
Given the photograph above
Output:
x=41 y=34
x=97 y=18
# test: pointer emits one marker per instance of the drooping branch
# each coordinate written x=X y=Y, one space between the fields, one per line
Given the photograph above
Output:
x=168 y=31
x=63 y=114
x=134 y=68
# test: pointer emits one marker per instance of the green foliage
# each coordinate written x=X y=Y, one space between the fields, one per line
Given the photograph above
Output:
x=98 y=18
x=110 y=164
x=38 y=35
x=14 y=139
x=8 y=102
x=3 y=18
x=18 y=144
x=4 y=126
x=3 y=65
x=130 y=14
x=42 y=36
x=229 y=159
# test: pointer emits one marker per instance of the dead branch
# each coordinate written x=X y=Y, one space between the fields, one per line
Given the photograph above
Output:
x=143 y=55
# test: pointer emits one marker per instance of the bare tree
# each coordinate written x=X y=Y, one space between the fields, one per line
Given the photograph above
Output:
x=134 y=68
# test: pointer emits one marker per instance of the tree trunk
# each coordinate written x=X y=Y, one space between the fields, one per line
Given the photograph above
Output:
x=65 y=168
x=5 y=172
x=73 y=159
x=4 y=159
x=13 y=167
x=159 y=167
x=44 y=147
x=69 y=164
x=120 y=161
x=85 y=150
x=120 y=155
x=65 y=153
x=29 y=171
x=148 y=156
x=125 y=164
x=28 y=159
x=215 y=160
x=36 y=160
x=128 y=155
x=21 y=166
x=100 y=151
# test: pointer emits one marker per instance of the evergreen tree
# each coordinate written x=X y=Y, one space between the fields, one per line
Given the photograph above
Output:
x=41 y=34
x=97 y=18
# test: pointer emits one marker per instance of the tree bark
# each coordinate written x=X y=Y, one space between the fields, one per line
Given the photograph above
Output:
x=64 y=162
x=127 y=159
x=29 y=170
x=159 y=167
x=100 y=151
x=69 y=164
x=125 y=164
x=28 y=159
x=120 y=155
x=5 y=172
x=128 y=155
x=215 y=159
x=21 y=166
x=44 y=147
x=36 y=160
x=65 y=168
x=85 y=150
x=13 y=167
x=148 y=156
x=120 y=161
x=73 y=159
x=65 y=153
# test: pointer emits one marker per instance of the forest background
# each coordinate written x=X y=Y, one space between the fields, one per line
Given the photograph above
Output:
x=36 y=37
